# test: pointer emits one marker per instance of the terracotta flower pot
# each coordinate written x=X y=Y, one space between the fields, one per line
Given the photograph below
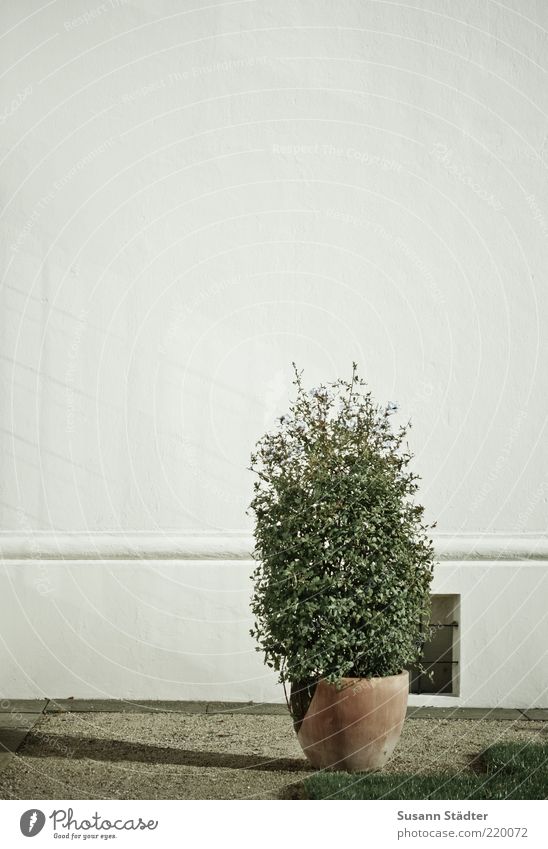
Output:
x=355 y=725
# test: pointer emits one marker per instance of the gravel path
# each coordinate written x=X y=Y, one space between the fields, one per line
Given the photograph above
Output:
x=178 y=756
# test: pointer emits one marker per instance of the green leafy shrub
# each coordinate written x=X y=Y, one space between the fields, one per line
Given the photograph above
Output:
x=341 y=587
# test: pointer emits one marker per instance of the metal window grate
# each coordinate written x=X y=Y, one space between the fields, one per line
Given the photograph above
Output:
x=439 y=654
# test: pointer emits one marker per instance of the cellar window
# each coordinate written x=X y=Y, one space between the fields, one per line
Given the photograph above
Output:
x=440 y=650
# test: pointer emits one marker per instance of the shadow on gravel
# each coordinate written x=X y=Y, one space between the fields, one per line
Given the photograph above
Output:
x=477 y=763
x=292 y=791
x=65 y=746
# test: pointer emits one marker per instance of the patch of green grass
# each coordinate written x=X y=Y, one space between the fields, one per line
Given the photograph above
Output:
x=512 y=771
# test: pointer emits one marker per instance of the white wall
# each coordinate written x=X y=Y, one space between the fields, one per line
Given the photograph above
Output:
x=196 y=194
x=84 y=616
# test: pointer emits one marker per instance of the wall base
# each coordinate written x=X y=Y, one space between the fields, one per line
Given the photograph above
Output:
x=178 y=629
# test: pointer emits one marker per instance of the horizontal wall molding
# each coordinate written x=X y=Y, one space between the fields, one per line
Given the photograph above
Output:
x=235 y=546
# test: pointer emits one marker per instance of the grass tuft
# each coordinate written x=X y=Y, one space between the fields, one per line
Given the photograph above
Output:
x=512 y=771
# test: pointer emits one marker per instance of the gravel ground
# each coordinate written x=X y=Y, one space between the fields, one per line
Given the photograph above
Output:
x=179 y=756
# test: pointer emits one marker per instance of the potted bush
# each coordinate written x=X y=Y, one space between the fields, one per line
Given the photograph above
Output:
x=341 y=587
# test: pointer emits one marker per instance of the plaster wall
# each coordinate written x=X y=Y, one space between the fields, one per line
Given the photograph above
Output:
x=196 y=194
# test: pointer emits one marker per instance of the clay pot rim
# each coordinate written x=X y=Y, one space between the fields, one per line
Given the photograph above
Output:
x=405 y=672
